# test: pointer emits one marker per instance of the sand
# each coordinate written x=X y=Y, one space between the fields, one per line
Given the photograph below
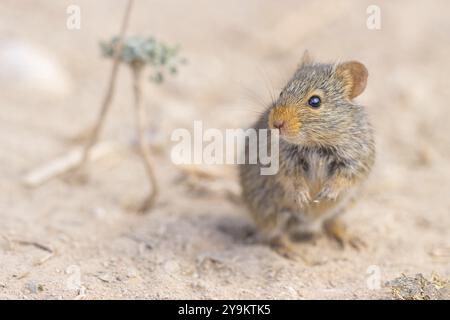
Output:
x=200 y=244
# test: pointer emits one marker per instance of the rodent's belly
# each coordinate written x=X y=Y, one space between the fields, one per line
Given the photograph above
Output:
x=320 y=210
x=310 y=217
x=312 y=211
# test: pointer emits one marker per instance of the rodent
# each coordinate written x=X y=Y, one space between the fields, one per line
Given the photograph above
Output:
x=326 y=152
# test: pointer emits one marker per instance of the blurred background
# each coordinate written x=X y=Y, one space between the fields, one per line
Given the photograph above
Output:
x=198 y=242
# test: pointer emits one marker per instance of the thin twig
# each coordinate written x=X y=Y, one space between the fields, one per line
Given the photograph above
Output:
x=111 y=87
x=143 y=145
x=44 y=259
x=33 y=243
x=23 y=275
x=65 y=163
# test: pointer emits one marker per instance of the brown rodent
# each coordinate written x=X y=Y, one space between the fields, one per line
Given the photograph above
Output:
x=326 y=151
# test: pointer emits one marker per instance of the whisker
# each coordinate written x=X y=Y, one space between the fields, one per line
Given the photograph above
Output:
x=269 y=85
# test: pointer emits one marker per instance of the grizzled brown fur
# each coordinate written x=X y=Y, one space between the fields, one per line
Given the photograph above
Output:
x=325 y=153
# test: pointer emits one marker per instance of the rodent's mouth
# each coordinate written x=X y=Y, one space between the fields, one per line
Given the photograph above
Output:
x=285 y=119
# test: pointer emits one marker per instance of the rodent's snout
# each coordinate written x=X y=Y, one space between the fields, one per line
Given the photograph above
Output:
x=285 y=119
x=278 y=124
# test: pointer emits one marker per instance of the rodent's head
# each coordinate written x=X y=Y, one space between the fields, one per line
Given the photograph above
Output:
x=315 y=107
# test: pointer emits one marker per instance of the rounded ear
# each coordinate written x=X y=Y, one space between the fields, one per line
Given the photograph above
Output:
x=355 y=75
x=306 y=59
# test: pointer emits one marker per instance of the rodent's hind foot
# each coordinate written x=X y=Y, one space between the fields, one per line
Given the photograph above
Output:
x=285 y=248
x=284 y=251
x=336 y=230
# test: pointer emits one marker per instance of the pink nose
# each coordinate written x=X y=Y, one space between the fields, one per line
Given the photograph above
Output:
x=278 y=124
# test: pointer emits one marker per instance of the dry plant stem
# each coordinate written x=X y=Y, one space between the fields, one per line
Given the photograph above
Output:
x=65 y=163
x=92 y=139
x=143 y=145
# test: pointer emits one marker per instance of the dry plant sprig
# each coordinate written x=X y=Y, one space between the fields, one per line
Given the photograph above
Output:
x=92 y=139
x=139 y=53
x=76 y=160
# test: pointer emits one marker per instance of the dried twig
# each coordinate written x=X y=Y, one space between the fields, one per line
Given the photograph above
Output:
x=44 y=259
x=143 y=146
x=23 y=275
x=32 y=243
x=111 y=87
x=140 y=240
x=440 y=252
x=137 y=53
x=78 y=158
x=65 y=163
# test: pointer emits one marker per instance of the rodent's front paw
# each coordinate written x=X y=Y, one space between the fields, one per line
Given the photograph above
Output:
x=303 y=197
x=327 y=193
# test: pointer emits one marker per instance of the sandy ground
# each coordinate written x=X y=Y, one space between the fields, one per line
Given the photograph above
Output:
x=201 y=244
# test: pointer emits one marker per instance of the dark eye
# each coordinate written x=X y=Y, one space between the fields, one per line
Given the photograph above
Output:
x=314 y=101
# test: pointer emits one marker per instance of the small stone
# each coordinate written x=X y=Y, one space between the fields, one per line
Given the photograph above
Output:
x=33 y=287
x=98 y=212
x=25 y=67
x=132 y=273
x=292 y=291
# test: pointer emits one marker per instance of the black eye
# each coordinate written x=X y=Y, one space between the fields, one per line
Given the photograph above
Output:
x=314 y=101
